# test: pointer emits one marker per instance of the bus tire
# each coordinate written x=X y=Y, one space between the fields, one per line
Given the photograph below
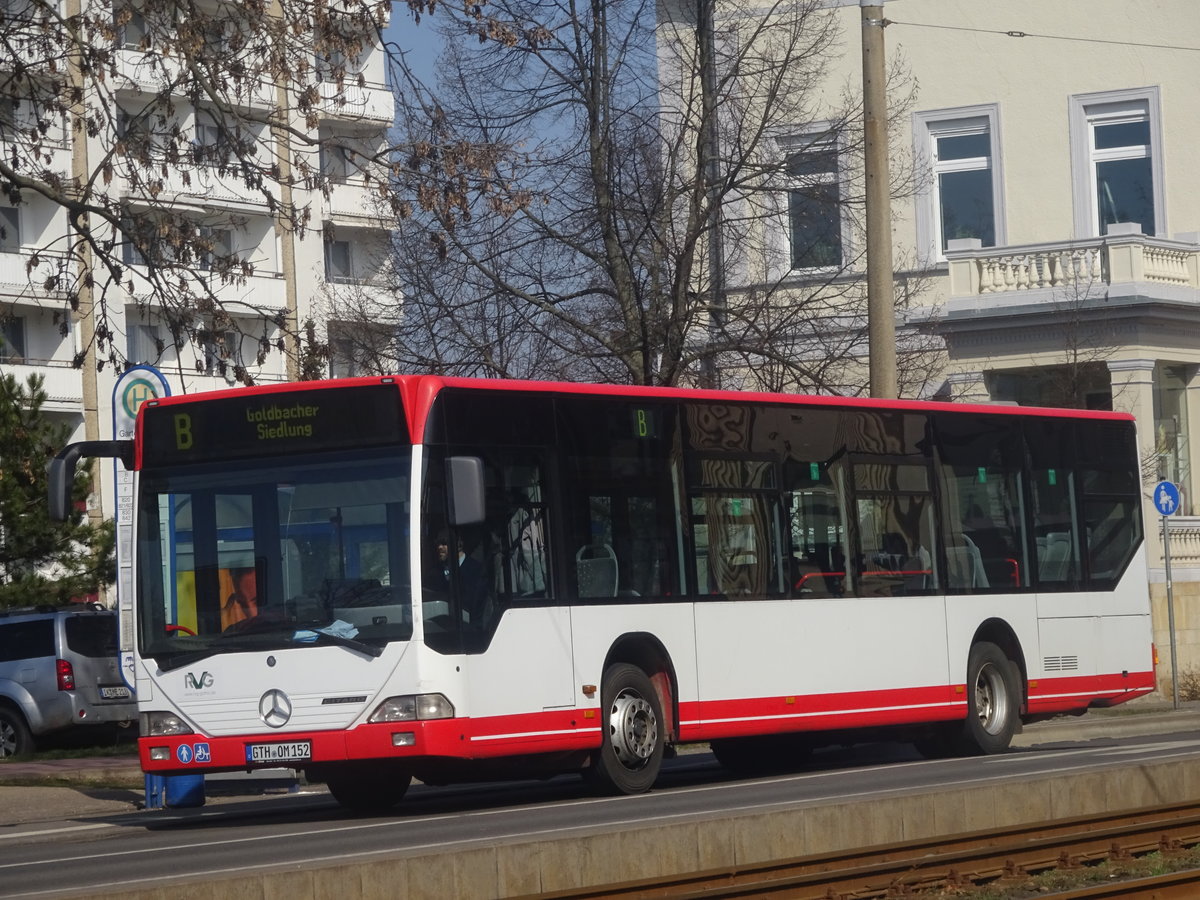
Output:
x=993 y=700
x=369 y=791
x=631 y=751
x=15 y=739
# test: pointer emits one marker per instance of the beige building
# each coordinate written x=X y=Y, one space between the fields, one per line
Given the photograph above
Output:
x=289 y=275
x=1054 y=220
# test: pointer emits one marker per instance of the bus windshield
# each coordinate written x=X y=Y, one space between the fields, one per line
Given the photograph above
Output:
x=271 y=555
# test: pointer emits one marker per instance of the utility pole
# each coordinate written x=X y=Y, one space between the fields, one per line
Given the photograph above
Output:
x=711 y=142
x=85 y=318
x=881 y=322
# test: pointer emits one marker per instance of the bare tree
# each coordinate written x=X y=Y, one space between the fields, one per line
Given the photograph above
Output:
x=122 y=118
x=623 y=144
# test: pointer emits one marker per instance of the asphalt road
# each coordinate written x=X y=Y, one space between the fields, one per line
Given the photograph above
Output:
x=244 y=833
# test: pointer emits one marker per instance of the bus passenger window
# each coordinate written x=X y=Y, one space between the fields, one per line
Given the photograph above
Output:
x=737 y=527
x=895 y=544
x=1055 y=527
x=980 y=480
x=818 y=555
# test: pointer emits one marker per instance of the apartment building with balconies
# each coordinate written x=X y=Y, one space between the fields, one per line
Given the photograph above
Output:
x=273 y=275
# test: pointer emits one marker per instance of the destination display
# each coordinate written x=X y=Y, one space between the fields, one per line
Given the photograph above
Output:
x=266 y=424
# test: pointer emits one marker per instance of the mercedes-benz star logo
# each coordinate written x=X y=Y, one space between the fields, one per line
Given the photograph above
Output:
x=275 y=708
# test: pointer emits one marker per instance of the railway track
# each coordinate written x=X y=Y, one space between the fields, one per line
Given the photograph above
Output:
x=956 y=862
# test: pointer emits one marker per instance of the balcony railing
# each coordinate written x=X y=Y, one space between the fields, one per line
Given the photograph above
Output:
x=351 y=199
x=19 y=281
x=1123 y=256
x=62 y=382
x=153 y=72
x=265 y=291
x=373 y=103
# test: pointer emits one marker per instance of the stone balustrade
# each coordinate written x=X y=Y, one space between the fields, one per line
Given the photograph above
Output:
x=1185 y=542
x=1124 y=255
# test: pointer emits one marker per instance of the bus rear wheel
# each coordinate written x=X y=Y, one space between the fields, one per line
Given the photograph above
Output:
x=631 y=751
x=367 y=789
x=993 y=709
x=993 y=699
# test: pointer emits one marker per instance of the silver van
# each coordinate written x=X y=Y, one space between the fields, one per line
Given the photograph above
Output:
x=58 y=670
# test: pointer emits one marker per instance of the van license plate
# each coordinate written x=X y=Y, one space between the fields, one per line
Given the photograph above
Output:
x=296 y=751
x=115 y=693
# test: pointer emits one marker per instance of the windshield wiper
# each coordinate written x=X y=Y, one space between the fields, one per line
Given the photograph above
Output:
x=172 y=661
x=340 y=640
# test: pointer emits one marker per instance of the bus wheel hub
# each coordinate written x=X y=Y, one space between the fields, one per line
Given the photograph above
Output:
x=633 y=730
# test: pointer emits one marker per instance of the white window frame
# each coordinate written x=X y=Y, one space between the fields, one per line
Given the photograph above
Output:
x=820 y=138
x=1106 y=107
x=928 y=126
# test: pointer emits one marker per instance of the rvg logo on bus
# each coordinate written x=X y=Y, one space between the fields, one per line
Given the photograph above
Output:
x=198 y=683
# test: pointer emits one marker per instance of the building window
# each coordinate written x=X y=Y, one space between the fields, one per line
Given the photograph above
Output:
x=338 y=262
x=144 y=344
x=1121 y=170
x=1117 y=159
x=214 y=144
x=339 y=163
x=11 y=120
x=132 y=32
x=10 y=230
x=963 y=171
x=1172 y=450
x=12 y=339
x=961 y=198
x=215 y=247
x=221 y=350
x=814 y=206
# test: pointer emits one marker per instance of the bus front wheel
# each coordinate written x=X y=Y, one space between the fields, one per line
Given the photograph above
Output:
x=631 y=752
x=993 y=699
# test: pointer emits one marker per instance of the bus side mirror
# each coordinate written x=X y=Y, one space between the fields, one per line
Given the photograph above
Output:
x=61 y=473
x=464 y=475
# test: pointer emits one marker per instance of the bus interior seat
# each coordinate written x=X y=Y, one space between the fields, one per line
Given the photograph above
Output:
x=597 y=571
x=1054 y=559
x=966 y=564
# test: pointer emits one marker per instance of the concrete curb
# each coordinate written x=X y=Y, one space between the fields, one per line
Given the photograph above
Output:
x=586 y=857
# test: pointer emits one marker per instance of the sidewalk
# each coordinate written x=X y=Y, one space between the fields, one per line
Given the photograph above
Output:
x=33 y=790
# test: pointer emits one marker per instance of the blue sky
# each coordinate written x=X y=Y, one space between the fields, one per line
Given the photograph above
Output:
x=420 y=43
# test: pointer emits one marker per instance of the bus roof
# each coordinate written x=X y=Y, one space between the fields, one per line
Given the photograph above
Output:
x=418 y=392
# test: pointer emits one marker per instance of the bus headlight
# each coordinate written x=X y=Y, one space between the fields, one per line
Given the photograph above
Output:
x=162 y=724
x=411 y=707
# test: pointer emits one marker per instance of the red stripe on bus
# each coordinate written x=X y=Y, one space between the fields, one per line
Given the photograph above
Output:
x=556 y=731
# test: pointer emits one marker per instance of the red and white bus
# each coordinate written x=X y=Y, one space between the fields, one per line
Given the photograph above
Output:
x=376 y=579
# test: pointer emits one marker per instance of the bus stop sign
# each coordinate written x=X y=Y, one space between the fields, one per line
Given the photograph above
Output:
x=1166 y=498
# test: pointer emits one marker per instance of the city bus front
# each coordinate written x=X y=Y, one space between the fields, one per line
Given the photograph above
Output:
x=274 y=612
